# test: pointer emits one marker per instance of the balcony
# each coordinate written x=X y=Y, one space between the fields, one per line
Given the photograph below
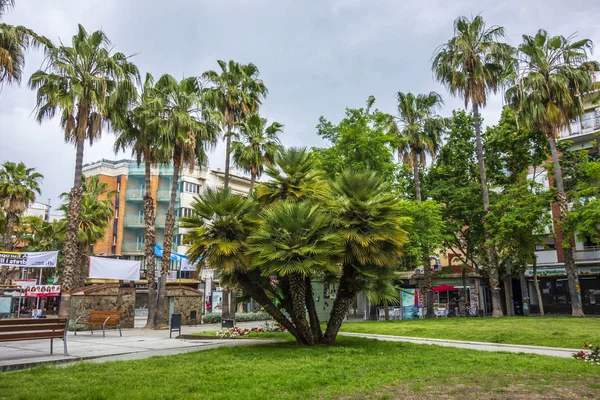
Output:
x=166 y=170
x=134 y=194
x=546 y=257
x=582 y=126
x=591 y=253
x=134 y=221
x=163 y=195
x=134 y=170
x=161 y=220
x=133 y=247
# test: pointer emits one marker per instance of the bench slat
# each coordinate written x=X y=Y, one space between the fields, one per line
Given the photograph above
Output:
x=31 y=335
x=32 y=321
x=25 y=328
x=99 y=322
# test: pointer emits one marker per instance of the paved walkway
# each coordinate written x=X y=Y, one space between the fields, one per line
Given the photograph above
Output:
x=483 y=346
x=136 y=343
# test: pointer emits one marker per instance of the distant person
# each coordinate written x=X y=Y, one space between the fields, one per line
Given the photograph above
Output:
x=208 y=306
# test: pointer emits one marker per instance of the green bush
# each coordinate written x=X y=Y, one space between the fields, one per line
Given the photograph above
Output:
x=215 y=318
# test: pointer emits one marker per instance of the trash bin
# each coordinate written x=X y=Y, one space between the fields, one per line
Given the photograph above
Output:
x=227 y=323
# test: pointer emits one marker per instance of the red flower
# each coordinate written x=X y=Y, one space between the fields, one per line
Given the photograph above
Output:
x=585 y=345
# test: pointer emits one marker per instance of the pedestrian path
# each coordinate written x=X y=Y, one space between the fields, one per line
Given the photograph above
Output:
x=483 y=346
x=136 y=343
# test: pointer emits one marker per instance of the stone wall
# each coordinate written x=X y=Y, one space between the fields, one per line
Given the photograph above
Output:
x=186 y=299
x=108 y=297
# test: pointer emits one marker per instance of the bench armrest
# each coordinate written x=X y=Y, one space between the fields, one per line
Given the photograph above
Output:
x=78 y=318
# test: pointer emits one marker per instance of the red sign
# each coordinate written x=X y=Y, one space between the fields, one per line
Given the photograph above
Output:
x=42 y=291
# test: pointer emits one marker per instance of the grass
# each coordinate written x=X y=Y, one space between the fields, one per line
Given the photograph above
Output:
x=565 y=332
x=354 y=368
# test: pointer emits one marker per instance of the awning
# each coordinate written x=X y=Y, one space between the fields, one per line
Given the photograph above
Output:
x=445 y=288
x=185 y=264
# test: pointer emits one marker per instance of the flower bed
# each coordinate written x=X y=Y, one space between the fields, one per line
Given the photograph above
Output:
x=236 y=331
x=592 y=355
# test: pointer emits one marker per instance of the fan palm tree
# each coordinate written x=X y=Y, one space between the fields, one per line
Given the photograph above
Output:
x=546 y=95
x=18 y=186
x=472 y=64
x=136 y=131
x=294 y=240
x=368 y=217
x=83 y=82
x=419 y=132
x=236 y=93
x=187 y=129
x=294 y=177
x=14 y=42
x=96 y=212
x=258 y=146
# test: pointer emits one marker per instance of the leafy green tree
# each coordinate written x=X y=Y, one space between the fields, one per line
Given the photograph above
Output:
x=14 y=42
x=361 y=141
x=425 y=235
x=84 y=82
x=418 y=130
x=18 y=186
x=258 y=145
x=236 y=93
x=546 y=95
x=187 y=129
x=138 y=129
x=584 y=217
x=472 y=64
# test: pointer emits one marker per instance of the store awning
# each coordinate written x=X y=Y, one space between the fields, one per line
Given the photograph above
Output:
x=445 y=288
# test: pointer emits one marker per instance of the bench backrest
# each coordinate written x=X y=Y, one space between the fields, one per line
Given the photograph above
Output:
x=99 y=316
x=32 y=328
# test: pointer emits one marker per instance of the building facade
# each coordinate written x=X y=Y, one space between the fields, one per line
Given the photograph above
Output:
x=582 y=133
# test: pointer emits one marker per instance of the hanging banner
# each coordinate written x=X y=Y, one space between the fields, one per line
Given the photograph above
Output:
x=109 y=268
x=24 y=282
x=42 y=291
x=42 y=259
x=185 y=263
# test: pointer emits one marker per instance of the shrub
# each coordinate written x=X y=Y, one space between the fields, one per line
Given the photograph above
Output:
x=215 y=318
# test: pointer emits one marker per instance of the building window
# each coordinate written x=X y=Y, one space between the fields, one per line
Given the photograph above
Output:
x=186 y=212
x=191 y=187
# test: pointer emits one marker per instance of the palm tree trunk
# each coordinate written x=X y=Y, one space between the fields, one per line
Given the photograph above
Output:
x=491 y=251
x=428 y=277
x=252 y=180
x=524 y=294
x=466 y=302
x=149 y=242
x=536 y=283
x=417 y=180
x=227 y=155
x=161 y=319
x=71 y=252
x=315 y=324
x=508 y=293
x=568 y=240
x=386 y=310
x=298 y=311
x=346 y=294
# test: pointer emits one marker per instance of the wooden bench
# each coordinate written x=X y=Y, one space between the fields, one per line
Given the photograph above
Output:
x=100 y=317
x=33 y=329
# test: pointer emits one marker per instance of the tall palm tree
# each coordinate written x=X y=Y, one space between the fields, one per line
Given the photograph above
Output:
x=547 y=94
x=258 y=146
x=18 y=186
x=136 y=131
x=14 y=42
x=96 y=212
x=236 y=93
x=472 y=64
x=187 y=129
x=83 y=82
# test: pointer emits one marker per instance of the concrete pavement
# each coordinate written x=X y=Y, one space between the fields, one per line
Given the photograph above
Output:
x=136 y=343
x=482 y=346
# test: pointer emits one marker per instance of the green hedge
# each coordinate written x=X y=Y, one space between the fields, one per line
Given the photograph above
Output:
x=215 y=318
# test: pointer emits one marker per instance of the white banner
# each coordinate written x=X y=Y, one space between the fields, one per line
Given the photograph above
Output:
x=109 y=268
x=42 y=259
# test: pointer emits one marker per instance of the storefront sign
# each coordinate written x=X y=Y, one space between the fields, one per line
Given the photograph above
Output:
x=581 y=271
x=24 y=282
x=42 y=259
x=42 y=291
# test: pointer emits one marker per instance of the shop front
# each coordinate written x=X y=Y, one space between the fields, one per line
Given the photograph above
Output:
x=554 y=289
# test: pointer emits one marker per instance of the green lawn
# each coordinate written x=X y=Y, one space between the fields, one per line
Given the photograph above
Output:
x=353 y=369
x=563 y=332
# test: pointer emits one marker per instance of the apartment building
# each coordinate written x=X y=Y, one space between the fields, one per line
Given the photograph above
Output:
x=582 y=134
x=124 y=236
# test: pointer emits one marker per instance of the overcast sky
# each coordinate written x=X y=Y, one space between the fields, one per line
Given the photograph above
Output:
x=315 y=56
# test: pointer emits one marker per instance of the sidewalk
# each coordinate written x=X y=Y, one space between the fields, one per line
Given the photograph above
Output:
x=482 y=346
x=136 y=343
